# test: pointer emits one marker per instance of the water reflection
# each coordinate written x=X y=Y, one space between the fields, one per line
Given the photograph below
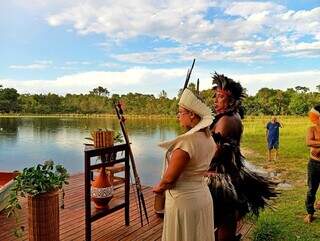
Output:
x=9 y=130
x=9 y=126
x=61 y=139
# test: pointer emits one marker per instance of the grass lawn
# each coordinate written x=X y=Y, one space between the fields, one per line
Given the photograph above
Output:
x=285 y=222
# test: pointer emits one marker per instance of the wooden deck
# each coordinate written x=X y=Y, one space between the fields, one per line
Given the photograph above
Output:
x=111 y=227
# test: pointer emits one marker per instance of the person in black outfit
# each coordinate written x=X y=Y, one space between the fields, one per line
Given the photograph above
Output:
x=235 y=189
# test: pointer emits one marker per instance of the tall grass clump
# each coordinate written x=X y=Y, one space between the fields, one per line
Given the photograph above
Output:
x=269 y=229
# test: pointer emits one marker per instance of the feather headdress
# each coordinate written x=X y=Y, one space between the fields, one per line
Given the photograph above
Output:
x=192 y=103
x=228 y=85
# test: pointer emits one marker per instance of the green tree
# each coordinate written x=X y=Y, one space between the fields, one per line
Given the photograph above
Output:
x=163 y=94
x=207 y=96
x=100 y=91
x=28 y=103
x=299 y=104
x=191 y=86
x=53 y=103
x=302 y=89
x=9 y=100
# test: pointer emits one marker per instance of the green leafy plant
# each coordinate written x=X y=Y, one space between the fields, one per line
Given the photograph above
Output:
x=33 y=181
x=118 y=138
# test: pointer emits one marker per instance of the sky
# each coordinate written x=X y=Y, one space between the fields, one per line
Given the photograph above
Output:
x=142 y=46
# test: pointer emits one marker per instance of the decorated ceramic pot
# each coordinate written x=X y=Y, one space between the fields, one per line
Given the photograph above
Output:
x=102 y=190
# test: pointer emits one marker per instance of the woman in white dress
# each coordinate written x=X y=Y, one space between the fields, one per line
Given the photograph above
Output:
x=188 y=204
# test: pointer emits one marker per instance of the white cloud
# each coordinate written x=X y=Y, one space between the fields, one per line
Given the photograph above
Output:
x=140 y=80
x=240 y=51
x=77 y=63
x=186 y=22
x=110 y=65
x=38 y=64
x=128 y=19
x=302 y=49
x=247 y=9
x=254 y=82
x=152 y=81
x=157 y=56
x=43 y=5
x=283 y=81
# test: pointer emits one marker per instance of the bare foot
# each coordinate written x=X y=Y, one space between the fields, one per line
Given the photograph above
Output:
x=317 y=206
x=309 y=218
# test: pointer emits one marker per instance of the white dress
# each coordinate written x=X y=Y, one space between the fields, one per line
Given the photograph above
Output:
x=188 y=206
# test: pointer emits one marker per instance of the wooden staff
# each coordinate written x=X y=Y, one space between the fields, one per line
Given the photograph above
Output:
x=188 y=75
x=141 y=201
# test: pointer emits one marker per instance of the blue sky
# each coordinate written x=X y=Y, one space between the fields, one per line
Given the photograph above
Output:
x=146 y=46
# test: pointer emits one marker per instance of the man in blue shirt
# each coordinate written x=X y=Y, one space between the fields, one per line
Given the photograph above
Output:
x=272 y=135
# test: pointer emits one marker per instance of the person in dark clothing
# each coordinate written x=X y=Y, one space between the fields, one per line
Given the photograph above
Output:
x=235 y=189
x=313 y=141
x=272 y=135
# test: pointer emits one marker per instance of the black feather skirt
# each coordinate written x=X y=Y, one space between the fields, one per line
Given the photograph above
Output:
x=235 y=189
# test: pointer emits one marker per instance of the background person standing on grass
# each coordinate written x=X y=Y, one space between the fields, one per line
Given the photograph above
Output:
x=313 y=141
x=272 y=134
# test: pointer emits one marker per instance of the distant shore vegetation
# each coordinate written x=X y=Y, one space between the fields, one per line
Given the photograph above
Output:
x=99 y=101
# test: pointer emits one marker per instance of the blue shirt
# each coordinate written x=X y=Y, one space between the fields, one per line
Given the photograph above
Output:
x=273 y=131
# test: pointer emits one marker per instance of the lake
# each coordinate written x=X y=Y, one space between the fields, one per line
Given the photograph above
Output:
x=29 y=140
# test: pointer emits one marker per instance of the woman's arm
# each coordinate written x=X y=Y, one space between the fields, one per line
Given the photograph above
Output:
x=227 y=137
x=177 y=164
x=310 y=139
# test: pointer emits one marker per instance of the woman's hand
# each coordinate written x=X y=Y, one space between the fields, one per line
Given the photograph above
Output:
x=161 y=187
x=157 y=189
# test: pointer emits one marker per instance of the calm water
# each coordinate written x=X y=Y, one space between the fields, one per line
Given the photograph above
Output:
x=27 y=141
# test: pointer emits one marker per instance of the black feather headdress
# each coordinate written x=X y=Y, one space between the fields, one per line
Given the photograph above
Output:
x=223 y=82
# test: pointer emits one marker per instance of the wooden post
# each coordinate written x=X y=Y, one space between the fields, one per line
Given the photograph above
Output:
x=87 y=197
x=127 y=187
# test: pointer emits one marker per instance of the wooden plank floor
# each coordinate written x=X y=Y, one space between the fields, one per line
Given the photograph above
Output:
x=111 y=227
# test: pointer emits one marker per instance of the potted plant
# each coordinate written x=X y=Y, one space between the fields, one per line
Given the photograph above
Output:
x=41 y=185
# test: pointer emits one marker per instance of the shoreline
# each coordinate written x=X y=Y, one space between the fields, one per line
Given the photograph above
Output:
x=80 y=116
x=247 y=118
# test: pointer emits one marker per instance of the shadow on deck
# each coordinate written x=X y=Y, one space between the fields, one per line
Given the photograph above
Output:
x=111 y=227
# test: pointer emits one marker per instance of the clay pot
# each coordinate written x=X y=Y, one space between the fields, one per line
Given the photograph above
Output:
x=102 y=190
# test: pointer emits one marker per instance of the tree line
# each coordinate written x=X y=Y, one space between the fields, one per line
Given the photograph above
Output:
x=267 y=101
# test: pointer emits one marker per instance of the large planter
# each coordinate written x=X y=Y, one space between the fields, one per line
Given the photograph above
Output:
x=102 y=189
x=43 y=217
